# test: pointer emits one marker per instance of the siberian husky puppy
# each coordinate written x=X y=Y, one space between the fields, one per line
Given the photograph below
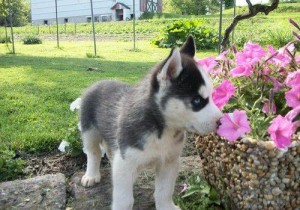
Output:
x=143 y=125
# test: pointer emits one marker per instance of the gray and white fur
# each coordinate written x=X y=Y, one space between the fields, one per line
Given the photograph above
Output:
x=143 y=125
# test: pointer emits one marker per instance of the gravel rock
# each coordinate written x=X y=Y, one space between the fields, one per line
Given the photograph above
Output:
x=253 y=172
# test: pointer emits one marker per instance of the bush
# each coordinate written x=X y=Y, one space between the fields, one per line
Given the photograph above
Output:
x=10 y=165
x=4 y=39
x=31 y=39
x=177 y=32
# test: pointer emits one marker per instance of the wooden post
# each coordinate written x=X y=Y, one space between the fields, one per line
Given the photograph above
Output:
x=220 y=25
x=93 y=23
x=11 y=28
x=57 y=36
x=133 y=21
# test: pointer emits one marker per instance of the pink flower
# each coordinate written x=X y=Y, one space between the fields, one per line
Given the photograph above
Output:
x=297 y=59
x=271 y=49
x=282 y=59
x=293 y=97
x=234 y=125
x=255 y=50
x=243 y=58
x=222 y=56
x=185 y=187
x=266 y=107
x=243 y=70
x=281 y=131
x=223 y=93
x=293 y=79
x=291 y=115
x=208 y=64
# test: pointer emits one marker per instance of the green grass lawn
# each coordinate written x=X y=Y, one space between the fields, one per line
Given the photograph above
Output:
x=39 y=83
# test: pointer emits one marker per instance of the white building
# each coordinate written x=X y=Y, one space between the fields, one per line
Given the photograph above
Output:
x=77 y=11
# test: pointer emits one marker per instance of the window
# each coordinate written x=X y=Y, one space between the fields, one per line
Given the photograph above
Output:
x=105 y=18
x=45 y=22
x=89 y=19
x=66 y=20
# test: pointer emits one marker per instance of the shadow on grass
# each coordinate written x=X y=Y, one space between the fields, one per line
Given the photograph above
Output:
x=36 y=93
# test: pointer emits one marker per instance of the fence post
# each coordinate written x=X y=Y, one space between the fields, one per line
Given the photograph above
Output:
x=57 y=37
x=11 y=27
x=75 y=29
x=92 y=13
x=220 y=25
x=133 y=24
x=234 y=13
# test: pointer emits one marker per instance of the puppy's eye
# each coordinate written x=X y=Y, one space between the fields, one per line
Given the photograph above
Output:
x=198 y=103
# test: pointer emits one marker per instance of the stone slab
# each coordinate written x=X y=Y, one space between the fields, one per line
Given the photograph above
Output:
x=41 y=192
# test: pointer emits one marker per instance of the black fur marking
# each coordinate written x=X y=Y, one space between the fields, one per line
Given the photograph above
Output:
x=141 y=120
x=188 y=47
x=186 y=86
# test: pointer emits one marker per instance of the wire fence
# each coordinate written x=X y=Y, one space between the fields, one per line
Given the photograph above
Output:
x=44 y=23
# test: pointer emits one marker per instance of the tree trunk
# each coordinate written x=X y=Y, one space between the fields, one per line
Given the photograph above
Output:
x=253 y=10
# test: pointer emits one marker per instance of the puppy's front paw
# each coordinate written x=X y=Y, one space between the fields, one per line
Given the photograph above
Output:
x=88 y=181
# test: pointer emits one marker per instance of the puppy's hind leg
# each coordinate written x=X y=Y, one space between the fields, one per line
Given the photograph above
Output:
x=91 y=141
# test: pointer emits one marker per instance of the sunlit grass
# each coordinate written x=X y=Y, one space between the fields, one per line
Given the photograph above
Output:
x=40 y=81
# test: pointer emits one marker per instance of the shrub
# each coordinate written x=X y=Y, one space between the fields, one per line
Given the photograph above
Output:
x=10 y=165
x=31 y=39
x=4 y=39
x=175 y=34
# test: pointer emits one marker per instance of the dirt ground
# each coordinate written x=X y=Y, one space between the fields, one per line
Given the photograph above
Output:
x=57 y=162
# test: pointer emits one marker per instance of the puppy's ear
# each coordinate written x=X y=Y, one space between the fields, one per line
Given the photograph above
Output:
x=172 y=66
x=189 y=47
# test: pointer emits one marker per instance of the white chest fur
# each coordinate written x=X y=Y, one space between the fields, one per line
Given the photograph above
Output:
x=157 y=151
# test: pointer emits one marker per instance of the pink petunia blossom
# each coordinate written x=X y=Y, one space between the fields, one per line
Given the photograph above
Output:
x=297 y=59
x=281 y=131
x=244 y=58
x=223 y=93
x=293 y=97
x=244 y=70
x=291 y=115
x=282 y=59
x=255 y=50
x=223 y=55
x=293 y=79
x=271 y=49
x=266 y=108
x=234 y=125
x=208 y=64
x=185 y=187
